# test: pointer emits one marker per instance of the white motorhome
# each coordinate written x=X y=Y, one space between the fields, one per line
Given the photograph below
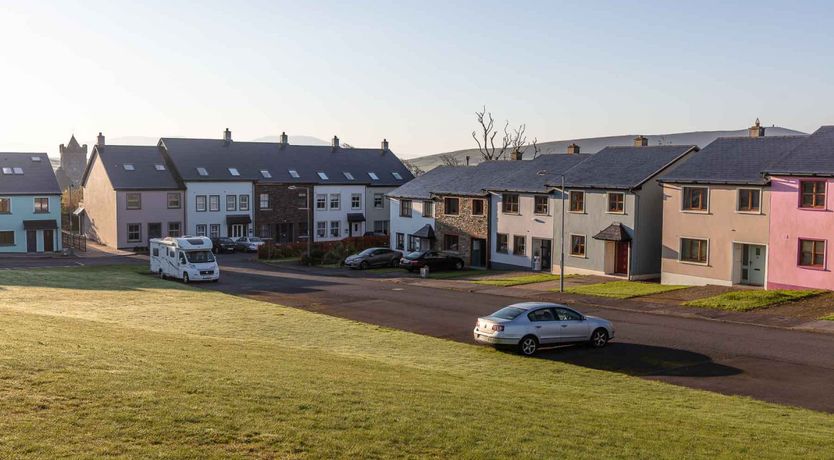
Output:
x=188 y=258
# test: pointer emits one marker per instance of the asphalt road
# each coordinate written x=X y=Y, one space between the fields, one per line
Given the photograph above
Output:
x=777 y=365
x=771 y=364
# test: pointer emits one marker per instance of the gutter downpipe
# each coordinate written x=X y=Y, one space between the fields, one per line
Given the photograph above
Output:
x=562 y=237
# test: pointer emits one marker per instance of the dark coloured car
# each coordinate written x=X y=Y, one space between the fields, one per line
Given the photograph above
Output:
x=222 y=244
x=435 y=260
x=374 y=257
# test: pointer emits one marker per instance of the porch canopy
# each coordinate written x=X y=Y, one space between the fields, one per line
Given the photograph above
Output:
x=46 y=224
x=425 y=232
x=614 y=232
x=355 y=217
x=240 y=219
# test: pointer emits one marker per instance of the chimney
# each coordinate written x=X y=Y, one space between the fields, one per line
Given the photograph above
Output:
x=641 y=141
x=467 y=160
x=756 y=130
x=100 y=140
x=573 y=149
x=516 y=155
x=384 y=145
x=335 y=143
x=227 y=136
x=285 y=140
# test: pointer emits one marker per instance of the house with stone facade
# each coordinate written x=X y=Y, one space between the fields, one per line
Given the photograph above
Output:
x=30 y=204
x=717 y=211
x=613 y=210
x=131 y=195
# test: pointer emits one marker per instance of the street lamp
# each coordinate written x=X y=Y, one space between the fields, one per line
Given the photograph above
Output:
x=309 y=209
x=562 y=252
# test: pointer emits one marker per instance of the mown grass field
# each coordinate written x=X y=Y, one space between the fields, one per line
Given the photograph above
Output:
x=750 y=300
x=623 y=289
x=107 y=361
x=519 y=280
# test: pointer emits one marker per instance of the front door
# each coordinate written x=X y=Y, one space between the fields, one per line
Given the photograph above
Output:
x=237 y=230
x=31 y=241
x=546 y=254
x=621 y=263
x=478 y=252
x=753 y=264
x=285 y=233
x=48 y=240
x=154 y=230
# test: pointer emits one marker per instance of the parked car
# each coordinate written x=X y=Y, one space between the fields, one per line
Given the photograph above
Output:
x=374 y=257
x=222 y=244
x=435 y=260
x=248 y=243
x=533 y=325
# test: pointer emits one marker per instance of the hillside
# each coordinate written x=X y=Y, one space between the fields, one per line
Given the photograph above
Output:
x=595 y=144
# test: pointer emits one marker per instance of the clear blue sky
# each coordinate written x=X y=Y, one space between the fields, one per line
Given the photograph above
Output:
x=413 y=72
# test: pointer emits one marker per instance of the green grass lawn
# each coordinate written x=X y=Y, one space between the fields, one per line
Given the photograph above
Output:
x=750 y=300
x=104 y=361
x=829 y=317
x=519 y=280
x=623 y=289
x=452 y=274
x=287 y=260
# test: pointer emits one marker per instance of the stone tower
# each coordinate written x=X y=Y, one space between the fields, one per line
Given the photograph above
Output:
x=73 y=162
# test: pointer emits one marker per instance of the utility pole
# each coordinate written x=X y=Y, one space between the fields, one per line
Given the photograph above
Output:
x=562 y=253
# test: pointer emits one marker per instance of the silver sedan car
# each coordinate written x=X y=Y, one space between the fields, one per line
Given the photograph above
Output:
x=532 y=325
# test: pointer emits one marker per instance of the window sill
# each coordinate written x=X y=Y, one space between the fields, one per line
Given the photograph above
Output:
x=694 y=211
x=689 y=262
x=579 y=256
x=812 y=209
x=749 y=213
x=813 y=267
x=619 y=213
x=576 y=212
x=541 y=214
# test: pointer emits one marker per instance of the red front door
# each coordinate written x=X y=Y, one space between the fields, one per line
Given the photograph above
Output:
x=621 y=265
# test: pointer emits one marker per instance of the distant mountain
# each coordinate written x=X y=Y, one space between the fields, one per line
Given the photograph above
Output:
x=295 y=140
x=595 y=144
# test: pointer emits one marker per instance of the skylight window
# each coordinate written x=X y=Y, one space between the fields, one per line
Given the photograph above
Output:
x=234 y=171
x=18 y=170
x=7 y=171
x=129 y=167
x=397 y=175
x=322 y=175
x=36 y=159
x=266 y=174
x=294 y=174
x=202 y=171
x=348 y=175
x=373 y=175
x=159 y=167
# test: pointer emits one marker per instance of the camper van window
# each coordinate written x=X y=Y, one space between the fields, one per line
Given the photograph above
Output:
x=156 y=252
x=182 y=258
x=200 y=257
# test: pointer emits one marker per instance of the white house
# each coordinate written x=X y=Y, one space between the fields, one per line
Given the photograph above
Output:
x=338 y=211
x=219 y=208
x=412 y=223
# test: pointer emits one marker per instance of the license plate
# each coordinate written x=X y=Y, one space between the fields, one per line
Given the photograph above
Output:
x=207 y=272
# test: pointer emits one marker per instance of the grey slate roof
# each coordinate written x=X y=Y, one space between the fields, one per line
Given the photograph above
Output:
x=144 y=175
x=814 y=156
x=733 y=160
x=623 y=167
x=534 y=176
x=38 y=178
x=249 y=158
x=457 y=180
x=613 y=232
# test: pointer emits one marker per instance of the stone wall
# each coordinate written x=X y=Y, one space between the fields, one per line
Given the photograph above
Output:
x=464 y=225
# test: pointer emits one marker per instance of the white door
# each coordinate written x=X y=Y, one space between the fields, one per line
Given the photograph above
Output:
x=753 y=262
x=238 y=230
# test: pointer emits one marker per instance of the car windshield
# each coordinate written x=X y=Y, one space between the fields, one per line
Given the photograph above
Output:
x=254 y=239
x=508 y=312
x=414 y=255
x=200 y=257
x=367 y=252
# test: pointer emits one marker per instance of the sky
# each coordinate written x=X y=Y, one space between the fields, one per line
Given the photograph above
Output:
x=411 y=72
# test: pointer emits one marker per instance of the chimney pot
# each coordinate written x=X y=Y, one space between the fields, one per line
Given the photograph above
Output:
x=284 y=139
x=641 y=141
x=467 y=160
x=335 y=144
x=385 y=145
x=573 y=149
x=757 y=130
x=516 y=155
x=100 y=140
x=227 y=135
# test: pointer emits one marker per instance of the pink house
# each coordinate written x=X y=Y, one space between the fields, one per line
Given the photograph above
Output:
x=802 y=215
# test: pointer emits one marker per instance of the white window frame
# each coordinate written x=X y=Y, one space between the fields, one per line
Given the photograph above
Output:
x=321 y=229
x=127 y=235
x=584 y=204
x=337 y=226
x=197 y=203
x=214 y=231
x=570 y=244
x=607 y=202
x=321 y=199
x=201 y=230
x=241 y=199
x=233 y=200
x=709 y=200
x=264 y=198
x=355 y=198
x=738 y=200
x=338 y=201
x=680 y=247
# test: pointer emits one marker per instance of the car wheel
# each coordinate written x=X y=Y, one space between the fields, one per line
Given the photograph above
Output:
x=459 y=265
x=363 y=265
x=528 y=345
x=395 y=263
x=599 y=338
x=185 y=278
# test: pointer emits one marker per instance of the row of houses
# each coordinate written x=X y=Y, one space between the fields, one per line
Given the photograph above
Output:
x=753 y=210
x=226 y=188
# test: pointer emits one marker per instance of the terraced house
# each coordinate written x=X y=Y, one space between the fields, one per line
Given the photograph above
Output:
x=131 y=196
x=30 y=204
x=614 y=210
x=717 y=211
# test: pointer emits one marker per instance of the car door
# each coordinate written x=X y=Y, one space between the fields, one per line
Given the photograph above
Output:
x=572 y=328
x=433 y=260
x=544 y=325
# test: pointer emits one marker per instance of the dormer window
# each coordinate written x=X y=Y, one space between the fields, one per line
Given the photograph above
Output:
x=397 y=175
x=348 y=175
x=202 y=171
x=322 y=175
x=234 y=171
x=159 y=167
x=266 y=174
x=129 y=167
x=37 y=159
x=373 y=176
x=294 y=174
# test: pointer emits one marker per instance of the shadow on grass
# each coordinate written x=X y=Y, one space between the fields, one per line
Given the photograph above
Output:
x=640 y=360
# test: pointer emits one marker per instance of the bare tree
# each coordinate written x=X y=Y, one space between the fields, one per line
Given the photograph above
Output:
x=449 y=160
x=536 y=148
x=485 y=138
x=516 y=139
x=413 y=168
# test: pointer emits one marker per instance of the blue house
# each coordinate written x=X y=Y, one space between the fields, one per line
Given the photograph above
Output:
x=30 y=204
